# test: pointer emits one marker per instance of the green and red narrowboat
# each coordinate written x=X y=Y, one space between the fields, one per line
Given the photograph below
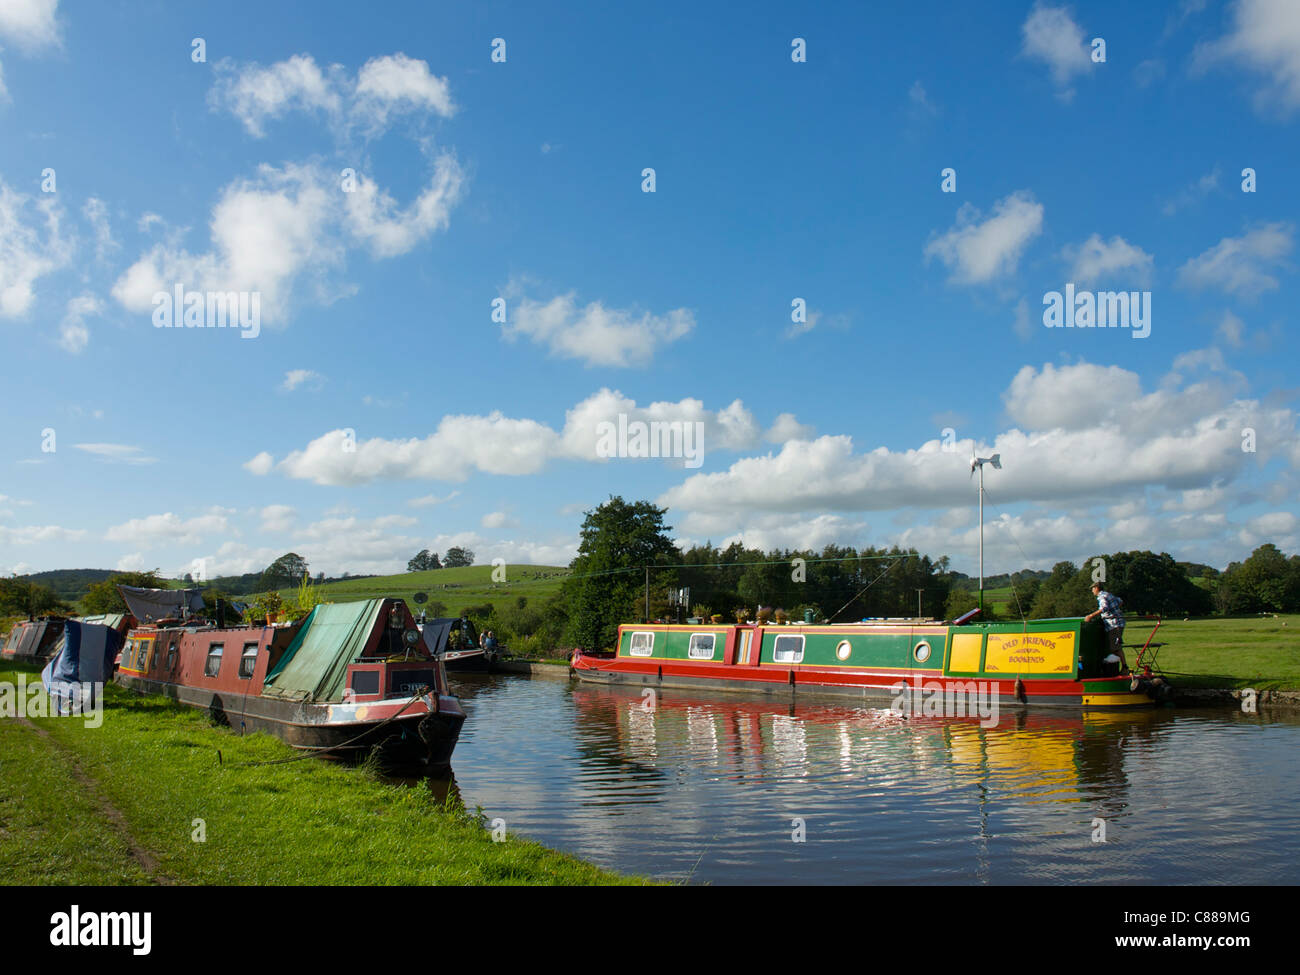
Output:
x=349 y=678
x=1036 y=663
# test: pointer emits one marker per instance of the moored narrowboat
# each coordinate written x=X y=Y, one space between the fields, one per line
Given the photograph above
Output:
x=33 y=641
x=349 y=678
x=1035 y=663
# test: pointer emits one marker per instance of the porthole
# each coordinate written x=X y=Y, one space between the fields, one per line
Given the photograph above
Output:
x=921 y=652
x=844 y=649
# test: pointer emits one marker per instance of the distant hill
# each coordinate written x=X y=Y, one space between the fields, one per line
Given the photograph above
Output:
x=69 y=584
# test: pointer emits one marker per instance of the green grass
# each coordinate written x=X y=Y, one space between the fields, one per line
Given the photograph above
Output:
x=456 y=588
x=1262 y=652
x=306 y=822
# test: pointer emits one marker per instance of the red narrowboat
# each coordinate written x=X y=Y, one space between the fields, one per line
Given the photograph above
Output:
x=349 y=678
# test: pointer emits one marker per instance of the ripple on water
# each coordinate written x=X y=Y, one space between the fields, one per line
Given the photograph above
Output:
x=719 y=789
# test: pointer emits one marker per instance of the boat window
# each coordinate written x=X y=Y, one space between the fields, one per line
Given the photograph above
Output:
x=642 y=645
x=922 y=652
x=788 y=649
x=844 y=649
x=153 y=656
x=248 y=660
x=213 y=666
x=701 y=647
x=171 y=658
x=141 y=649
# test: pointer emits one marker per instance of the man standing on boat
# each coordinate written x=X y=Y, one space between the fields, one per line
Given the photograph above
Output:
x=1108 y=608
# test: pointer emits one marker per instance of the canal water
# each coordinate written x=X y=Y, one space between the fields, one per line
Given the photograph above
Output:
x=731 y=790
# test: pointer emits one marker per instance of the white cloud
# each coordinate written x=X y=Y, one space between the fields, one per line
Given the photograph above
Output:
x=1051 y=36
x=28 y=251
x=39 y=534
x=298 y=377
x=920 y=100
x=117 y=452
x=1096 y=259
x=265 y=232
x=497 y=444
x=278 y=517
x=978 y=252
x=1080 y=417
x=73 y=334
x=494 y=519
x=256 y=94
x=1193 y=193
x=594 y=334
x=261 y=464
x=96 y=213
x=374 y=217
x=154 y=529
x=395 y=84
x=131 y=562
x=787 y=427
x=1231 y=330
x=385 y=87
x=430 y=500
x=1241 y=265
x=29 y=24
x=1265 y=38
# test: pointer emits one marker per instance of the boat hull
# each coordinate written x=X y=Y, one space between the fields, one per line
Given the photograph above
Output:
x=877 y=690
x=1039 y=663
x=418 y=737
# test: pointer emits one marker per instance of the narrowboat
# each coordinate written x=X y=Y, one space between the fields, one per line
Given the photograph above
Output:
x=457 y=643
x=1036 y=663
x=349 y=678
x=33 y=641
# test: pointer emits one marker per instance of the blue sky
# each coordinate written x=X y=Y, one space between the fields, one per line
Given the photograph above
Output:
x=377 y=180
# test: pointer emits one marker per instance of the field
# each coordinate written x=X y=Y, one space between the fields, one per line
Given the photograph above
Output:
x=455 y=588
x=143 y=799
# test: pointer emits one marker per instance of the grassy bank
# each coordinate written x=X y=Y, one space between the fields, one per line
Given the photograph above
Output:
x=305 y=822
x=1262 y=652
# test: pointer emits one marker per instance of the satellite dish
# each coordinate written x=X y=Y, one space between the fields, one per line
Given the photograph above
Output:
x=421 y=598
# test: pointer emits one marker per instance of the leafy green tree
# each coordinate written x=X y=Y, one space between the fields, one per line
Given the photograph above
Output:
x=458 y=558
x=284 y=572
x=22 y=597
x=604 y=588
x=424 y=561
x=103 y=597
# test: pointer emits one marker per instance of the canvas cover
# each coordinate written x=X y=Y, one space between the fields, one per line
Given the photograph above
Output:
x=436 y=633
x=85 y=655
x=113 y=621
x=159 y=604
x=315 y=665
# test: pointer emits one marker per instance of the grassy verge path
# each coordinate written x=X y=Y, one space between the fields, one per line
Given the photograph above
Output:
x=179 y=814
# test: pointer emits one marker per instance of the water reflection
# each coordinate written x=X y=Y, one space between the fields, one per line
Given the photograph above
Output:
x=708 y=788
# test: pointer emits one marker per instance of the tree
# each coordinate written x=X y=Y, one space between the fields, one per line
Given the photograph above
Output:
x=458 y=558
x=284 y=572
x=424 y=561
x=605 y=586
x=22 y=597
x=103 y=597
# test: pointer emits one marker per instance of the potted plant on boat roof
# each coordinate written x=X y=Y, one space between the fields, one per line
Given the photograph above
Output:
x=266 y=606
x=764 y=615
x=781 y=618
x=741 y=613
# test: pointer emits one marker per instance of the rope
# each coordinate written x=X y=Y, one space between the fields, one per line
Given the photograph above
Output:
x=865 y=588
x=313 y=750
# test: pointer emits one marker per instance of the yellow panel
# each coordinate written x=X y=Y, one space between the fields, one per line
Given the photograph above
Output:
x=1115 y=700
x=1030 y=653
x=965 y=658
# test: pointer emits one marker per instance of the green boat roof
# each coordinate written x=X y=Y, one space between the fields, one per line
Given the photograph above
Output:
x=315 y=664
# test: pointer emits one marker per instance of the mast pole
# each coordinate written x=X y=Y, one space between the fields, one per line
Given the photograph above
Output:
x=981 y=540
